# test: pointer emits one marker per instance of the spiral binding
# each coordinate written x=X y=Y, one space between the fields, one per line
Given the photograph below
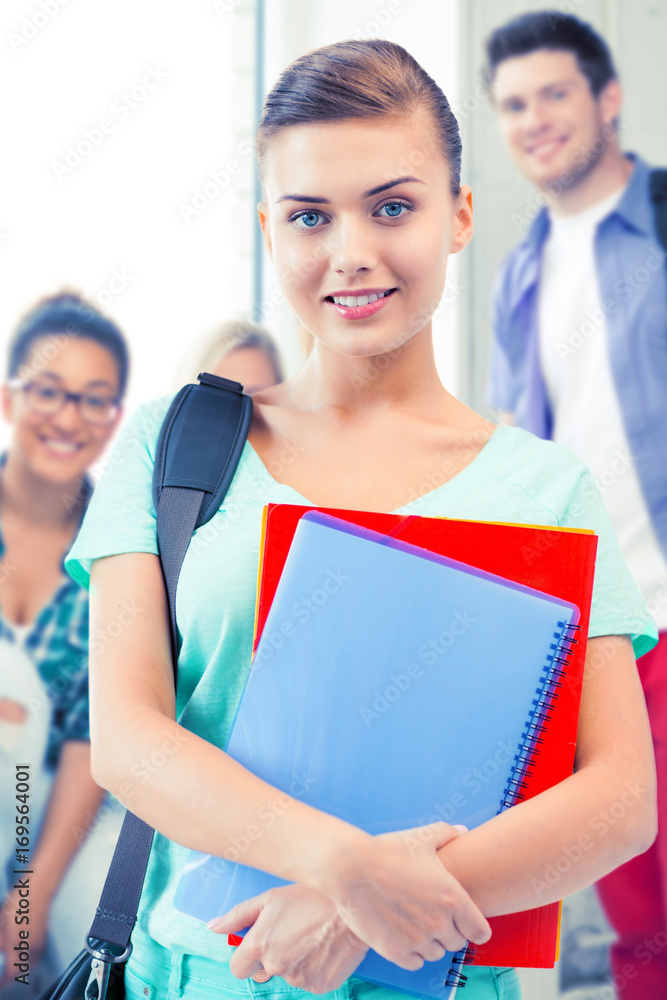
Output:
x=540 y=714
x=455 y=976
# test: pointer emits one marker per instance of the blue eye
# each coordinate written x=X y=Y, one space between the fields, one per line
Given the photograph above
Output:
x=394 y=209
x=307 y=220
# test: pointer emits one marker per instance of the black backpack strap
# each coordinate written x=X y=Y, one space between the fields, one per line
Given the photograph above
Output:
x=198 y=450
x=658 y=191
x=119 y=902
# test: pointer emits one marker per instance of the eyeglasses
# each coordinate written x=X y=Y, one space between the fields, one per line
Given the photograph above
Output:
x=44 y=397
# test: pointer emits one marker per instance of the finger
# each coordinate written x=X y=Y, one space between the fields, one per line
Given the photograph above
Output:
x=411 y=961
x=244 y=962
x=471 y=922
x=453 y=940
x=434 y=951
x=436 y=834
x=239 y=917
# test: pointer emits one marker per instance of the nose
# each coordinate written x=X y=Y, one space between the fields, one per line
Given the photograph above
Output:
x=352 y=248
x=536 y=118
x=68 y=417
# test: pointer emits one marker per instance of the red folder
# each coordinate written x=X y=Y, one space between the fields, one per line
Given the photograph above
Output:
x=558 y=561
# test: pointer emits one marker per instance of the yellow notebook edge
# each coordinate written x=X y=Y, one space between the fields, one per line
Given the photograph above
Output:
x=260 y=566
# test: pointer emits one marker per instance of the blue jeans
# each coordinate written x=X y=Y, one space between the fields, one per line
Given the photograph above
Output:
x=164 y=975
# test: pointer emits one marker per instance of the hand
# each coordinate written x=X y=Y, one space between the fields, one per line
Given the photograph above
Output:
x=296 y=933
x=401 y=901
x=10 y=932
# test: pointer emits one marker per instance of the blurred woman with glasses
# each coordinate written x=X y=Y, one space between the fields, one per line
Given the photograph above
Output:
x=67 y=371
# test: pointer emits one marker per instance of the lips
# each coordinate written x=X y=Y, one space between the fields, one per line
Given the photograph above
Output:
x=365 y=303
x=544 y=150
x=61 y=448
x=359 y=298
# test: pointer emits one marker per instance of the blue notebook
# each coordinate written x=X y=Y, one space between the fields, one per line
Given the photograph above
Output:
x=392 y=687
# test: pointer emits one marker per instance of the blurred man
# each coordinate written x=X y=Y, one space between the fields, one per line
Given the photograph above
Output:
x=580 y=356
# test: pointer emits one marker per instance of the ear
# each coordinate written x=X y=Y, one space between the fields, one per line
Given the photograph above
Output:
x=6 y=402
x=463 y=226
x=610 y=101
x=264 y=223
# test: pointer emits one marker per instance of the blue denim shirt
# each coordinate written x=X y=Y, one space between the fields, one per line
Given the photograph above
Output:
x=633 y=291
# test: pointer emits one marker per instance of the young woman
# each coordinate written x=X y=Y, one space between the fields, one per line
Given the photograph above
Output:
x=67 y=372
x=244 y=353
x=362 y=206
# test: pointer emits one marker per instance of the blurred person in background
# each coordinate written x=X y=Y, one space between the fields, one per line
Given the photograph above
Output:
x=361 y=257
x=244 y=353
x=67 y=371
x=580 y=356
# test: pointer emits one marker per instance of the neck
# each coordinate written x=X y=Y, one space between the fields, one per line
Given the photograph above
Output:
x=35 y=500
x=609 y=173
x=361 y=387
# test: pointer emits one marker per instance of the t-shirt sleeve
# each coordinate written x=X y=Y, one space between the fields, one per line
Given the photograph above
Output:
x=121 y=516
x=618 y=607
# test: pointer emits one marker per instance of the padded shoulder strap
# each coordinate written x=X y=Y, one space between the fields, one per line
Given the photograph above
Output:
x=198 y=449
x=201 y=441
x=658 y=189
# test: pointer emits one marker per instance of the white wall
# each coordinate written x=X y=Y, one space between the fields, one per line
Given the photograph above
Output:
x=124 y=208
x=137 y=222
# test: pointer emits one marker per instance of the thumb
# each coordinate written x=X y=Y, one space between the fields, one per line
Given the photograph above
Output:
x=240 y=917
x=438 y=834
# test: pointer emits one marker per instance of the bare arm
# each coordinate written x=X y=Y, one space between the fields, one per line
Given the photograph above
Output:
x=143 y=756
x=534 y=853
x=399 y=901
x=573 y=834
x=73 y=804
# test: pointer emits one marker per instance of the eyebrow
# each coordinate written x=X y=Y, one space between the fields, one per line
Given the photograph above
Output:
x=89 y=385
x=367 y=194
x=543 y=90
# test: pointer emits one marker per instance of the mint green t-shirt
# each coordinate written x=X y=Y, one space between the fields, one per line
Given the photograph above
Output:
x=516 y=478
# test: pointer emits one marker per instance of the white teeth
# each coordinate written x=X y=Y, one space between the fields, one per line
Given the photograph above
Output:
x=358 y=300
x=65 y=447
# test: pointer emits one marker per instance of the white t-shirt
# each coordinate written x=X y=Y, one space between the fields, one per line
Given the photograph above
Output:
x=24 y=732
x=574 y=354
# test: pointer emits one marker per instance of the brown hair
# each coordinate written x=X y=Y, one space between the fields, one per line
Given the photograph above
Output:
x=360 y=79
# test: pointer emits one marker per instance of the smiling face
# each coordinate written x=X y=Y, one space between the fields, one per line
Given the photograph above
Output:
x=552 y=123
x=59 y=447
x=359 y=220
